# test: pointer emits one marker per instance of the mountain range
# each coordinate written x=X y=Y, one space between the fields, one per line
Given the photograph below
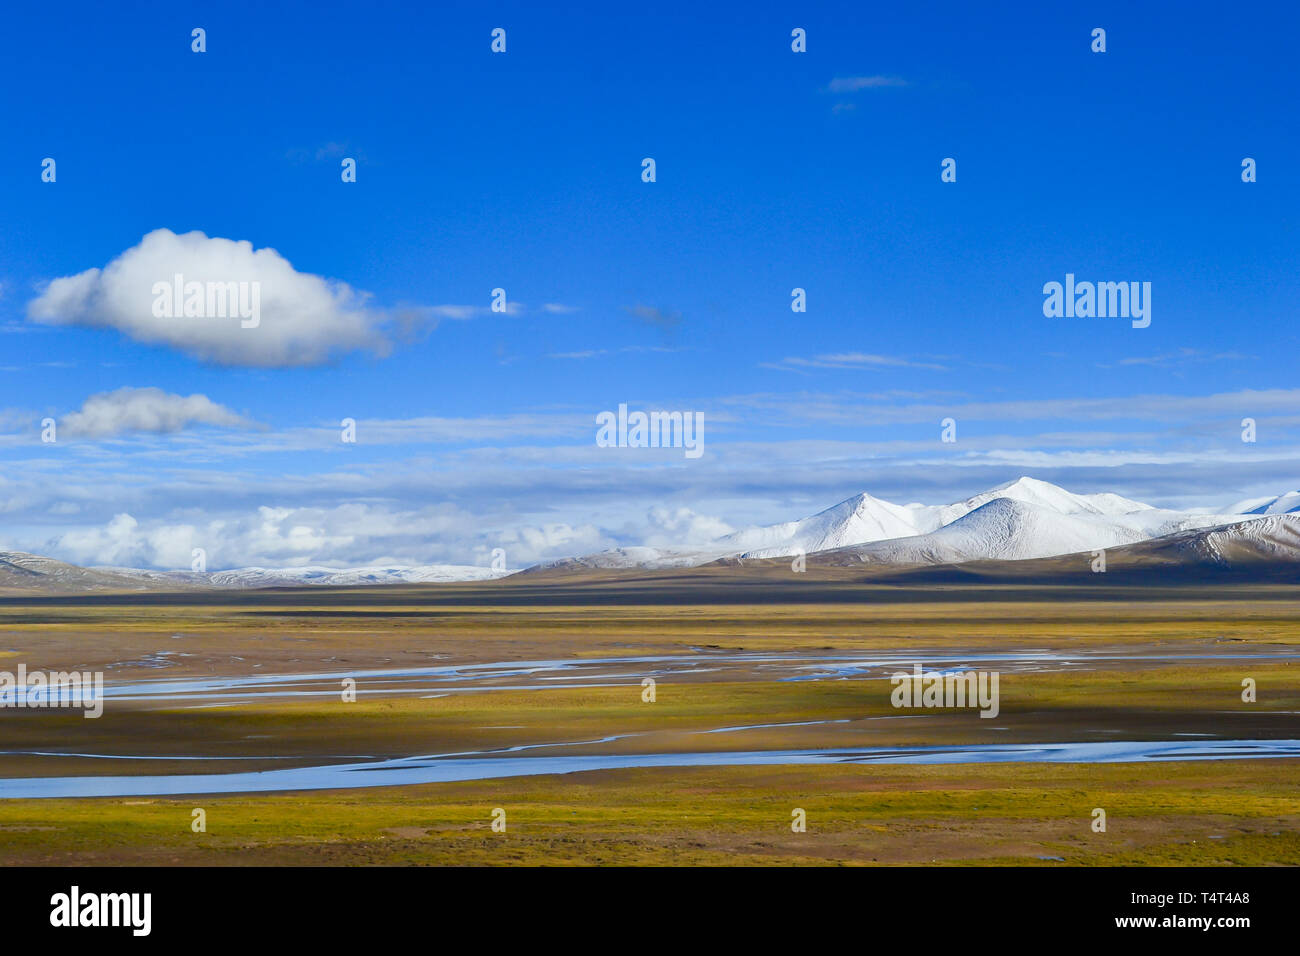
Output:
x=22 y=571
x=1024 y=520
x=1017 y=521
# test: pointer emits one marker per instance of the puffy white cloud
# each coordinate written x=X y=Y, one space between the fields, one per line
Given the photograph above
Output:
x=303 y=319
x=123 y=543
x=145 y=410
x=528 y=544
x=670 y=527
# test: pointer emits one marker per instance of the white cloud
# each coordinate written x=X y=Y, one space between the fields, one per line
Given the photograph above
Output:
x=123 y=543
x=682 y=526
x=145 y=410
x=347 y=535
x=305 y=319
x=528 y=544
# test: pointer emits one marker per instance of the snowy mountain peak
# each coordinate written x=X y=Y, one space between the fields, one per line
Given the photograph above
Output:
x=860 y=518
x=1028 y=485
x=1048 y=495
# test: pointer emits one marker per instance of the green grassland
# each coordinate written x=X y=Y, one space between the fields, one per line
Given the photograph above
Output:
x=1245 y=813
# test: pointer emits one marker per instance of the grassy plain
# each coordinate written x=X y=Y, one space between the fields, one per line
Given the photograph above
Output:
x=1221 y=812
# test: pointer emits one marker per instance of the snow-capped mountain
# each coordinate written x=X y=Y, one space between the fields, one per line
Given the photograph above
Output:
x=1040 y=494
x=1019 y=520
x=322 y=577
x=1009 y=529
x=1272 y=538
x=864 y=519
x=859 y=519
x=1004 y=528
x=20 y=570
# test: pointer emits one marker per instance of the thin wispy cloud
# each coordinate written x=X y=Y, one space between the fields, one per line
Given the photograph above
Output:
x=334 y=150
x=461 y=313
x=851 y=360
x=1180 y=357
x=661 y=318
x=584 y=354
x=597 y=353
x=854 y=84
x=849 y=408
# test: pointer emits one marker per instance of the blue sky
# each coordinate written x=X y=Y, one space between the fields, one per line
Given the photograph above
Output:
x=522 y=170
